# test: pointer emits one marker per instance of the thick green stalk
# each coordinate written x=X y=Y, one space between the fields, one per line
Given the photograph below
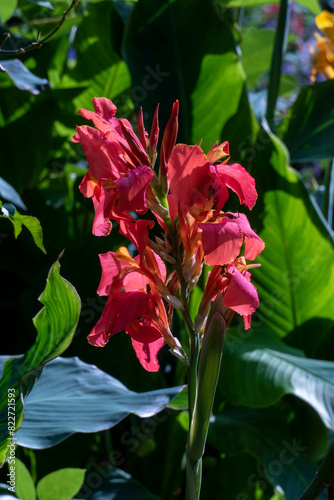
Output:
x=323 y=479
x=207 y=377
x=277 y=60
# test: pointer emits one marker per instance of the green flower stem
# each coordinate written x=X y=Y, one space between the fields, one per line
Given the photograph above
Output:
x=277 y=59
x=208 y=373
x=323 y=479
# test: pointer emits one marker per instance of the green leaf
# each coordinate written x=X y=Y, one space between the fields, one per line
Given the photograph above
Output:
x=202 y=70
x=31 y=223
x=265 y=436
x=100 y=71
x=62 y=484
x=69 y=387
x=7 y=9
x=295 y=279
x=310 y=123
x=180 y=402
x=312 y=5
x=256 y=46
x=55 y=324
x=25 y=487
x=261 y=369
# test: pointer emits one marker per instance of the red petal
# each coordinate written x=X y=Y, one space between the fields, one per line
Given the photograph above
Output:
x=111 y=268
x=189 y=176
x=88 y=185
x=98 y=150
x=240 y=181
x=253 y=243
x=241 y=295
x=116 y=315
x=221 y=241
x=148 y=354
x=101 y=225
x=104 y=107
x=136 y=232
x=132 y=189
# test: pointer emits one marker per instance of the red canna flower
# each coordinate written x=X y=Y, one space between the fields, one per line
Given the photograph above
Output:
x=187 y=196
x=135 y=288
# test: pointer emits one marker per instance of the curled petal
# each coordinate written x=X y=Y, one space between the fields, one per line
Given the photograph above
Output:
x=104 y=108
x=111 y=270
x=148 y=353
x=132 y=188
x=217 y=152
x=88 y=185
x=253 y=243
x=101 y=225
x=241 y=295
x=136 y=232
x=116 y=315
x=221 y=241
x=240 y=181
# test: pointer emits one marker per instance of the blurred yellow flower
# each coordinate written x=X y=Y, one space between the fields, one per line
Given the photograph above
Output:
x=323 y=56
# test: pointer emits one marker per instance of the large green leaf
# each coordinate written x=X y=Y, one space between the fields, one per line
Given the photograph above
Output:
x=185 y=51
x=69 y=387
x=310 y=123
x=55 y=324
x=99 y=70
x=295 y=282
x=260 y=370
x=256 y=46
x=265 y=436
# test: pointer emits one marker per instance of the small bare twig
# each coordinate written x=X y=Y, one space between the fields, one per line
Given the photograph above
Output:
x=38 y=43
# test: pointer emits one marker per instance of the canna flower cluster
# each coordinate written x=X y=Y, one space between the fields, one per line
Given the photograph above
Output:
x=323 y=56
x=186 y=192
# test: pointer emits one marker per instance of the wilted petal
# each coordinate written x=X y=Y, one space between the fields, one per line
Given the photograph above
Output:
x=221 y=241
x=132 y=189
x=117 y=314
x=241 y=295
x=217 y=152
